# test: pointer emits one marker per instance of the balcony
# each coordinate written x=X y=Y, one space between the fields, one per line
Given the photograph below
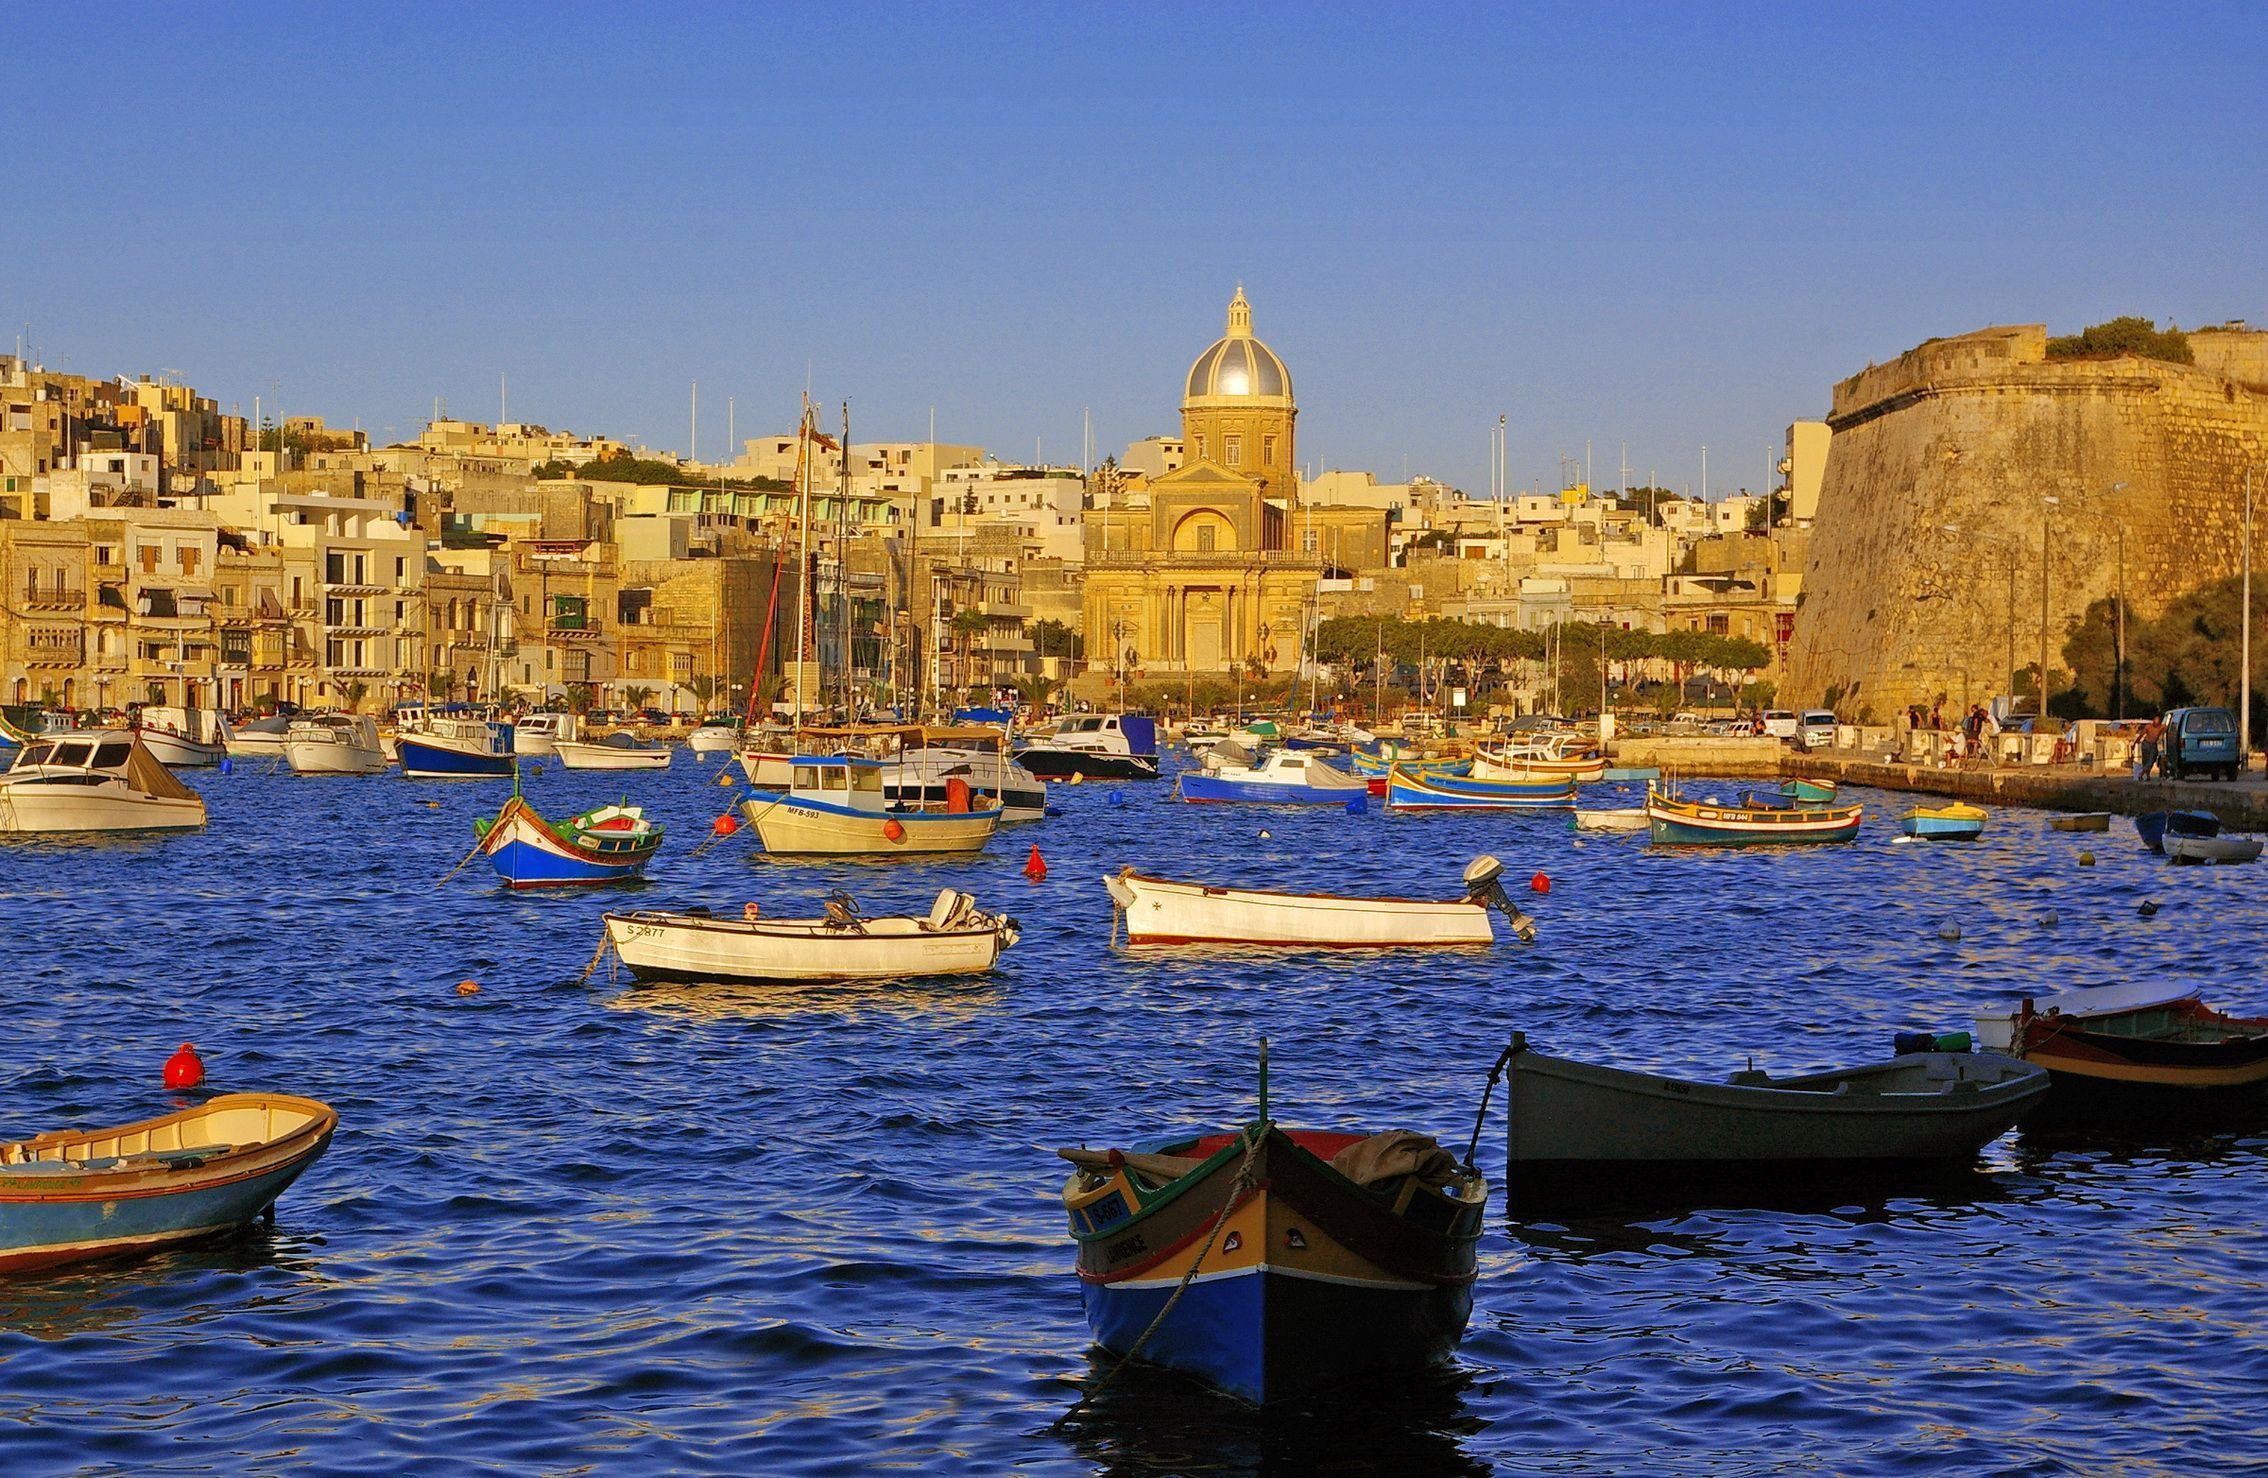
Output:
x=1175 y=559
x=55 y=600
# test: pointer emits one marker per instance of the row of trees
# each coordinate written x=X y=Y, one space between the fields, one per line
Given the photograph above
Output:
x=1360 y=638
x=2187 y=654
x=647 y=471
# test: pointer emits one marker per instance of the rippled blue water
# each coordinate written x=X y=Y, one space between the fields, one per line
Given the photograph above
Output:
x=814 y=1229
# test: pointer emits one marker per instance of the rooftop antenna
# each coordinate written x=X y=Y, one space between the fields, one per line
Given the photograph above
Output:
x=503 y=400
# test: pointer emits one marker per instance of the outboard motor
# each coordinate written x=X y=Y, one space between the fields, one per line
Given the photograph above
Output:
x=1482 y=887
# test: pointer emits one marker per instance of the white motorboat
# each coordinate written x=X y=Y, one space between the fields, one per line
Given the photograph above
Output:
x=1282 y=777
x=834 y=806
x=334 y=744
x=184 y=737
x=1622 y=818
x=537 y=733
x=713 y=739
x=100 y=780
x=1095 y=746
x=621 y=750
x=260 y=738
x=1159 y=911
x=1541 y=755
x=931 y=759
x=767 y=756
x=956 y=938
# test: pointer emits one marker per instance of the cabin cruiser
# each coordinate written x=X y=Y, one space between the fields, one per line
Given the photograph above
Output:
x=540 y=733
x=260 y=738
x=713 y=739
x=184 y=736
x=334 y=744
x=101 y=780
x=931 y=759
x=1096 y=746
x=456 y=749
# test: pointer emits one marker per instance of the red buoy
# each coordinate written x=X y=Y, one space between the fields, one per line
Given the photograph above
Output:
x=1539 y=884
x=184 y=1069
x=724 y=825
x=1035 y=866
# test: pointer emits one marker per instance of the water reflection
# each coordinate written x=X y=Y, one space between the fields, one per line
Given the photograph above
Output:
x=723 y=1000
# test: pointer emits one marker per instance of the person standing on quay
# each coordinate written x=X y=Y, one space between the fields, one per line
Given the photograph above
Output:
x=2148 y=763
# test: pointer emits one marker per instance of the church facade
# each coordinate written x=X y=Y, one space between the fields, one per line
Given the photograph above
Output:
x=1216 y=563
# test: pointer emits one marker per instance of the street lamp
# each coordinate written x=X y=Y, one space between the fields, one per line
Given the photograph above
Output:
x=2118 y=638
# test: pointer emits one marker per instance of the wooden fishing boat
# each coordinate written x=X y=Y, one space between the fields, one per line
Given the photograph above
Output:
x=1420 y=792
x=2138 y=1045
x=2081 y=821
x=2211 y=849
x=1161 y=912
x=609 y=844
x=334 y=744
x=1800 y=789
x=1526 y=762
x=2155 y=826
x=1616 y=819
x=834 y=805
x=448 y=748
x=82 y=1194
x=621 y=750
x=1580 y=1127
x=99 y=780
x=955 y=938
x=1956 y=822
x=1282 y=778
x=1302 y=1257
x=1677 y=822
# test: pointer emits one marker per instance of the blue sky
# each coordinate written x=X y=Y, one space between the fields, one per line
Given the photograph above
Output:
x=1663 y=225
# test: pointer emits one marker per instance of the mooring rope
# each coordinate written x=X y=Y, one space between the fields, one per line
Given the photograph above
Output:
x=606 y=942
x=1254 y=1135
x=477 y=845
x=1503 y=1061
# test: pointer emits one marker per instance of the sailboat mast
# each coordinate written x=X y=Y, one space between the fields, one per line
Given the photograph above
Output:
x=803 y=555
x=842 y=564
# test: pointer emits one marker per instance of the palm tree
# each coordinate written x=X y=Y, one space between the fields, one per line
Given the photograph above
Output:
x=355 y=693
x=966 y=624
x=1036 y=691
x=702 y=689
x=637 y=696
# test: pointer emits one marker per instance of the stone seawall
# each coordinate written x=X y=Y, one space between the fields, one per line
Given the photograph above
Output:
x=1924 y=582
x=1696 y=755
x=2241 y=807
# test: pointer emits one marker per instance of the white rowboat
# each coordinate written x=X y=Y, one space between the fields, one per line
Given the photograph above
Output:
x=955 y=938
x=1162 y=912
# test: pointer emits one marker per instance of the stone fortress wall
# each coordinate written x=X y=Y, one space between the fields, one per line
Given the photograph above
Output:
x=1930 y=511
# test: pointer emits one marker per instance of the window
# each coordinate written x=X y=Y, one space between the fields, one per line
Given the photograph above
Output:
x=401 y=571
x=188 y=557
x=149 y=559
x=105 y=554
x=834 y=777
x=806 y=777
x=1205 y=539
x=1200 y=448
x=1232 y=450
x=1268 y=450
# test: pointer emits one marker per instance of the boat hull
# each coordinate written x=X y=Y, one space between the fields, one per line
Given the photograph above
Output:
x=724 y=950
x=2213 y=849
x=308 y=757
x=1695 y=824
x=1161 y=912
x=1062 y=764
x=577 y=756
x=1938 y=829
x=176 y=753
x=711 y=741
x=529 y=854
x=41 y=809
x=2084 y=821
x=793 y=826
x=428 y=759
x=1408 y=792
x=767 y=770
x=1215 y=788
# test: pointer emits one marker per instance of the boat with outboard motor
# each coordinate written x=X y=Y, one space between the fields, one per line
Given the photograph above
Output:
x=954 y=938
x=620 y=750
x=98 y=780
x=77 y=1195
x=447 y=747
x=334 y=744
x=608 y=844
x=1158 y=911
x=1271 y=1262
x=1095 y=746
x=1283 y=777
x=183 y=738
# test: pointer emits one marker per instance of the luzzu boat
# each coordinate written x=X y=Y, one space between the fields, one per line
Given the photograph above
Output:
x=1406 y=791
x=1303 y=1257
x=456 y=749
x=1377 y=769
x=83 y=1194
x=2133 y=1046
x=611 y=844
x=1283 y=778
x=834 y=806
x=1682 y=823
x=1956 y=822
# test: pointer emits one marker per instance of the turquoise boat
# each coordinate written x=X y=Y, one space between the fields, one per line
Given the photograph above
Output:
x=1408 y=790
x=1808 y=790
x=1954 y=823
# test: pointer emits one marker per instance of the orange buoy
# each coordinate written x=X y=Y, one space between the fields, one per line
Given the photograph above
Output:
x=468 y=988
x=724 y=825
x=894 y=829
x=751 y=911
x=184 y=1069
x=1539 y=884
x=1035 y=866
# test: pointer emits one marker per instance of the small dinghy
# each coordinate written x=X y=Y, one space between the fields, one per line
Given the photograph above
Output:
x=2155 y=826
x=1576 y=1127
x=2081 y=821
x=956 y=938
x=2132 y=1045
x=1808 y=790
x=1627 y=818
x=83 y=1194
x=1954 y=823
x=1159 y=912
x=2211 y=849
x=621 y=750
x=1271 y=1262
x=611 y=844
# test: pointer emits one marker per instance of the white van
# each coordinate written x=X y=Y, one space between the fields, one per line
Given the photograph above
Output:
x=1817 y=729
x=1779 y=723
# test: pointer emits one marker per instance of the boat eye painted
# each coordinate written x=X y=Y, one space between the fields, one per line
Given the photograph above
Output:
x=1294 y=1237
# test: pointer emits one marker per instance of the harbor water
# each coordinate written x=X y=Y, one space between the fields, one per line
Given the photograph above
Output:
x=578 y=1223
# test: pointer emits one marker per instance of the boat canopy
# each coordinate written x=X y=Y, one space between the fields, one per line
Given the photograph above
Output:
x=2110 y=1000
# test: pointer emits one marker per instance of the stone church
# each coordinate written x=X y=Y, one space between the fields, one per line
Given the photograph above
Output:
x=1216 y=563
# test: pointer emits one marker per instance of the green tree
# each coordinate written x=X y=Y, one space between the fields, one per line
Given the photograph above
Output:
x=703 y=689
x=355 y=693
x=2124 y=335
x=637 y=695
x=2188 y=654
x=1052 y=638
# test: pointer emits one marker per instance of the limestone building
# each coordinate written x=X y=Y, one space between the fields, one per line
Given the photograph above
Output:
x=1979 y=494
x=1215 y=563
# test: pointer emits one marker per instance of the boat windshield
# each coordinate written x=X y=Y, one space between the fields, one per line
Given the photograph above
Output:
x=111 y=754
x=72 y=755
x=33 y=754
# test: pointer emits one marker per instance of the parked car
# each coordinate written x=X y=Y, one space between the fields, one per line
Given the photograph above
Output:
x=2201 y=743
x=1780 y=723
x=1816 y=729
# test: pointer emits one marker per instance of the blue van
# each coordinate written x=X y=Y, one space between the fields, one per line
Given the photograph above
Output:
x=2201 y=743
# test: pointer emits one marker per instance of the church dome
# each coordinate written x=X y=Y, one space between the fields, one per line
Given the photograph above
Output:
x=1239 y=364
